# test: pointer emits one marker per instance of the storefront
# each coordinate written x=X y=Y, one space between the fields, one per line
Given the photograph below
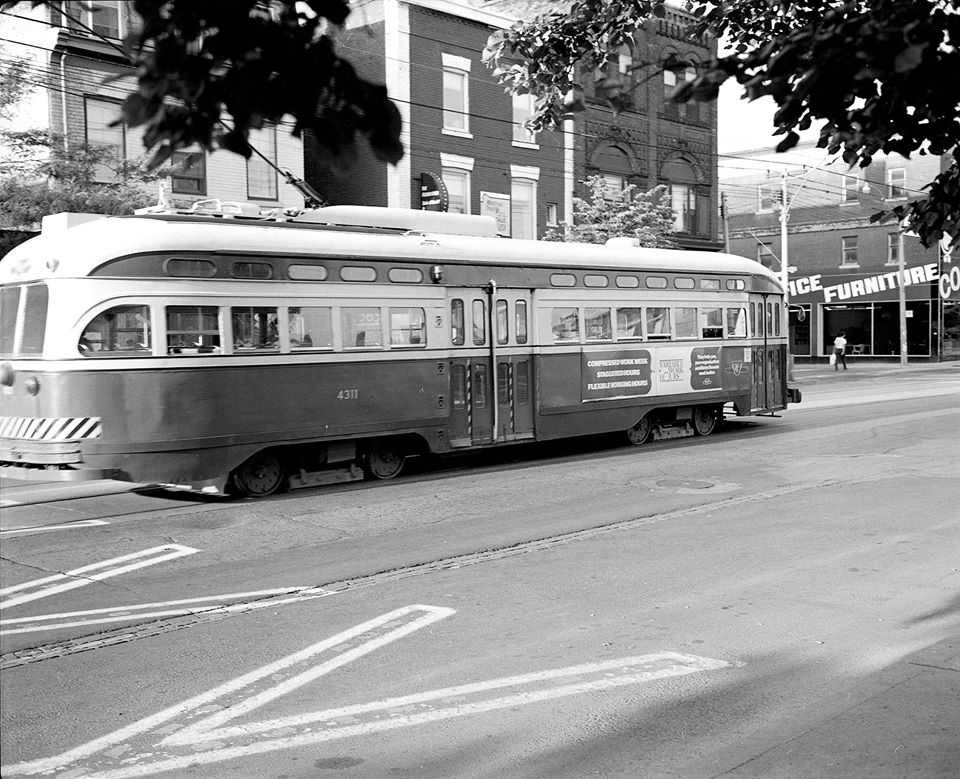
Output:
x=866 y=308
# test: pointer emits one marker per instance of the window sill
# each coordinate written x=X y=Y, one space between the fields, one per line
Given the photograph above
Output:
x=526 y=145
x=456 y=133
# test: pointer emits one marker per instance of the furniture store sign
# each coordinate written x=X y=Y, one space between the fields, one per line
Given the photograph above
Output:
x=869 y=285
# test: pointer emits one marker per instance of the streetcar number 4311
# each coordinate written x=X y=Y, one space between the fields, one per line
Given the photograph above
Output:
x=348 y=394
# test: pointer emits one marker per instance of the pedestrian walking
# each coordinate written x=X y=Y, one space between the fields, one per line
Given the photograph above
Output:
x=840 y=351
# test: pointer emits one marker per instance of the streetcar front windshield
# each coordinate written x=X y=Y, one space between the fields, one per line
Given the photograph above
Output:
x=23 y=319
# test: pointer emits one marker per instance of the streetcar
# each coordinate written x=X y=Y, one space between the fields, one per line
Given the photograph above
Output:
x=236 y=353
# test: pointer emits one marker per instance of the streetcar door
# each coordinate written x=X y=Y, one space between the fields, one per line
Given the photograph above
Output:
x=768 y=355
x=491 y=366
x=471 y=397
x=512 y=355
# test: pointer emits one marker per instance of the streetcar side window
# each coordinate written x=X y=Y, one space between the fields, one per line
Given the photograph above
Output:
x=118 y=329
x=629 y=323
x=711 y=322
x=34 y=319
x=769 y=318
x=658 y=322
x=9 y=305
x=408 y=327
x=736 y=323
x=685 y=322
x=457 y=330
x=361 y=327
x=776 y=319
x=596 y=323
x=255 y=329
x=310 y=327
x=479 y=323
x=521 y=321
x=565 y=323
x=193 y=329
x=503 y=323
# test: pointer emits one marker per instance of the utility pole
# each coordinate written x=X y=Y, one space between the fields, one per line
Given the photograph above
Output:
x=723 y=221
x=903 y=297
x=785 y=266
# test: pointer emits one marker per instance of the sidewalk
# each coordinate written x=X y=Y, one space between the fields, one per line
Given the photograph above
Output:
x=807 y=373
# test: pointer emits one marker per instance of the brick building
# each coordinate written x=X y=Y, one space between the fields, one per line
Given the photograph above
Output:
x=74 y=46
x=843 y=269
x=461 y=127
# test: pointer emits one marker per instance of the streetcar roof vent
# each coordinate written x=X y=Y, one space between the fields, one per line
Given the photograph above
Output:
x=402 y=220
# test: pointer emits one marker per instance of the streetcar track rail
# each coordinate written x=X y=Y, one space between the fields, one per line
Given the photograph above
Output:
x=207 y=615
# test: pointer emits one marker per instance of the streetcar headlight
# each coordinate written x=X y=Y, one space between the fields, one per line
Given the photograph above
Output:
x=32 y=385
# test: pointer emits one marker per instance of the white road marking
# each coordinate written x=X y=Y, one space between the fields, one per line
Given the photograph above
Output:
x=80 y=577
x=70 y=619
x=49 y=528
x=204 y=729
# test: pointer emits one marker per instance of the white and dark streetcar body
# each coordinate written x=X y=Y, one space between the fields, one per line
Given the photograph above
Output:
x=244 y=355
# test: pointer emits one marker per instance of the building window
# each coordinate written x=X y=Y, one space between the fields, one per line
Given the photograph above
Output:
x=685 y=112
x=523 y=109
x=683 y=198
x=893 y=248
x=188 y=174
x=553 y=214
x=848 y=251
x=104 y=17
x=262 y=170
x=456 y=95
x=104 y=138
x=765 y=255
x=896 y=183
x=851 y=189
x=523 y=197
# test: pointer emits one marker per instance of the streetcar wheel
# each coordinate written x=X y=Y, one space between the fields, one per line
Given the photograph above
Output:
x=383 y=460
x=261 y=475
x=640 y=432
x=705 y=420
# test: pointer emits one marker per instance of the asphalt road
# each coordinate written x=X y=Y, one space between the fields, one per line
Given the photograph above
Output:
x=695 y=608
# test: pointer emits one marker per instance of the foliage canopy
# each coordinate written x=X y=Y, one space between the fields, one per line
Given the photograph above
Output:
x=876 y=75
x=602 y=214
x=208 y=71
